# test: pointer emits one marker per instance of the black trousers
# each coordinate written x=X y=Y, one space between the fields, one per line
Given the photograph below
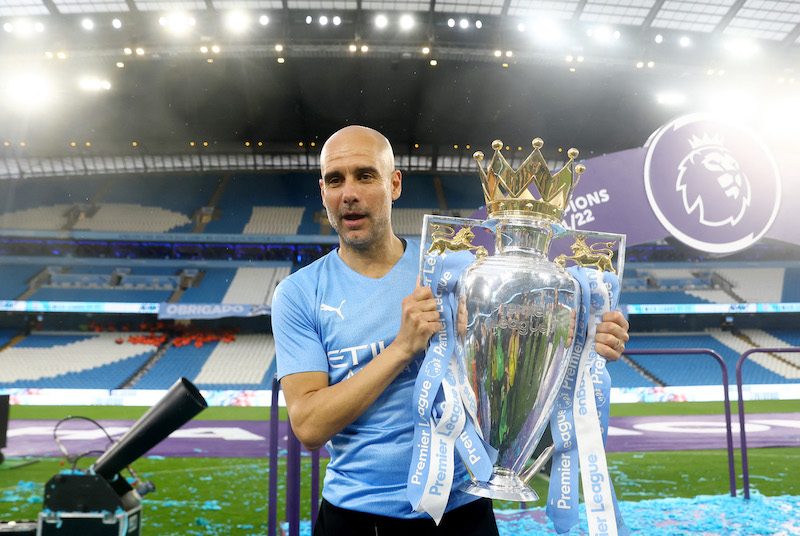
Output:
x=473 y=519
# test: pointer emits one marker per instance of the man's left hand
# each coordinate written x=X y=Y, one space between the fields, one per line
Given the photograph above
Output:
x=612 y=334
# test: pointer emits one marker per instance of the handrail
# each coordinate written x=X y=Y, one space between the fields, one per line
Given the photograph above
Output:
x=727 y=402
x=742 y=358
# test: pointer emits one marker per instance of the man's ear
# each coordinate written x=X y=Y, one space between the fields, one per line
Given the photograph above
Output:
x=397 y=184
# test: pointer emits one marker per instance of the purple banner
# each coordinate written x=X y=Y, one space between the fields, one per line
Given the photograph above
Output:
x=714 y=185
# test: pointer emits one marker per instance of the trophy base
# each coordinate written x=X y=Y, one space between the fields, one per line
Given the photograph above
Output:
x=504 y=484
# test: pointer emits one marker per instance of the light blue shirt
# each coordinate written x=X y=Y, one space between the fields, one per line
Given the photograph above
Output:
x=328 y=318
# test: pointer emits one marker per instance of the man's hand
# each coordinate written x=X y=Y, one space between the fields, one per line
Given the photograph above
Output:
x=418 y=323
x=611 y=336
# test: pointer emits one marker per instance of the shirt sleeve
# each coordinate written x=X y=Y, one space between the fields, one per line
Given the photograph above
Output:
x=298 y=347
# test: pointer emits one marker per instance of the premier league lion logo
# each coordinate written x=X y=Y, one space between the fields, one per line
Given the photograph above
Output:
x=712 y=184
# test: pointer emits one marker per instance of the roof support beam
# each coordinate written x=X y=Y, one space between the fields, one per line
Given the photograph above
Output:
x=792 y=36
x=576 y=15
x=723 y=23
x=51 y=7
x=132 y=6
x=651 y=15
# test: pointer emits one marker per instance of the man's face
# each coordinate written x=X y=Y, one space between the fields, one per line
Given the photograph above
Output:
x=358 y=186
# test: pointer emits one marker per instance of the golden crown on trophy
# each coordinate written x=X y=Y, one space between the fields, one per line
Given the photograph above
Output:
x=506 y=190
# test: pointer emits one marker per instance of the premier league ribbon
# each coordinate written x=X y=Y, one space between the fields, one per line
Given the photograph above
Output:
x=579 y=423
x=444 y=407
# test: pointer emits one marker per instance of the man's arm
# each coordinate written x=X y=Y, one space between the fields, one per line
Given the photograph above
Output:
x=319 y=411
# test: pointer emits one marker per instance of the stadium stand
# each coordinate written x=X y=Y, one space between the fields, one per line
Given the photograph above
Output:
x=15 y=278
x=42 y=218
x=274 y=220
x=674 y=369
x=98 y=361
x=658 y=296
x=254 y=285
x=623 y=374
x=211 y=288
x=133 y=218
x=755 y=285
x=110 y=294
x=242 y=364
x=786 y=365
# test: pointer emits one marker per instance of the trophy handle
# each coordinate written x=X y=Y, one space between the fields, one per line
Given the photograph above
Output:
x=538 y=464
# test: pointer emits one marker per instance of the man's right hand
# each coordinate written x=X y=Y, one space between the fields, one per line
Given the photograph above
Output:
x=418 y=323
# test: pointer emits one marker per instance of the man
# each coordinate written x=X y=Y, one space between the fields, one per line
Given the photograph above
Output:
x=350 y=330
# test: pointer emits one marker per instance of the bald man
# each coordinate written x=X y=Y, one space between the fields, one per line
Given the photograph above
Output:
x=350 y=332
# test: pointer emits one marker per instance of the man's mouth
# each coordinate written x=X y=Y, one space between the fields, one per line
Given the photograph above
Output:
x=353 y=219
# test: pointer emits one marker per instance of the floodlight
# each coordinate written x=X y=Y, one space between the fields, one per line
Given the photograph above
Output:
x=8 y=27
x=603 y=34
x=337 y=20
x=509 y=53
x=434 y=63
x=498 y=53
x=451 y=23
x=203 y=49
x=670 y=98
x=364 y=48
x=309 y=19
x=685 y=41
x=127 y=51
x=281 y=60
x=381 y=22
x=570 y=58
x=353 y=48
x=406 y=22
x=177 y=23
x=426 y=50
x=28 y=91
x=546 y=30
x=263 y=20
x=521 y=27
x=658 y=39
x=87 y=24
x=741 y=49
x=139 y=51
x=478 y=24
x=463 y=24
x=639 y=64
x=120 y=65
x=116 y=24
x=323 y=20
x=94 y=84
x=215 y=49
x=279 y=48
x=651 y=64
x=237 y=22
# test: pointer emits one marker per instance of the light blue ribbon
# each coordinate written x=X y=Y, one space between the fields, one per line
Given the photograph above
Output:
x=563 y=494
x=441 y=274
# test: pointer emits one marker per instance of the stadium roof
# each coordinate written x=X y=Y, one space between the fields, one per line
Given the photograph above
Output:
x=88 y=78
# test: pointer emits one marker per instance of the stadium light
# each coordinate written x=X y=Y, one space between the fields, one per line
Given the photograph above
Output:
x=337 y=20
x=309 y=19
x=94 y=84
x=87 y=24
x=381 y=21
x=116 y=24
x=263 y=20
x=406 y=22
x=478 y=24
x=426 y=50
x=658 y=39
x=323 y=20
x=139 y=51
x=451 y=23
x=546 y=31
x=353 y=47
x=28 y=92
x=23 y=27
x=741 y=49
x=463 y=24
x=670 y=98
x=685 y=41
x=177 y=23
x=603 y=34
x=237 y=21
x=8 y=27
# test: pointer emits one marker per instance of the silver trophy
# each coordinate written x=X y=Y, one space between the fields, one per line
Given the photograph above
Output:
x=517 y=308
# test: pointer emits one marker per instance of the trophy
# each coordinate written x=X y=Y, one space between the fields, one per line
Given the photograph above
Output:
x=516 y=307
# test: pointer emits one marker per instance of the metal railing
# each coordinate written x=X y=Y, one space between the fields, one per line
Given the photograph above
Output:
x=742 y=431
x=726 y=398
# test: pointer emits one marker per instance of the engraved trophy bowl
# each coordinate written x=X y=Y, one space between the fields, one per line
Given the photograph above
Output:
x=519 y=309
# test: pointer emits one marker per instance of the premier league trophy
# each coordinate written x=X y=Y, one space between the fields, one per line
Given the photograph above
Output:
x=514 y=312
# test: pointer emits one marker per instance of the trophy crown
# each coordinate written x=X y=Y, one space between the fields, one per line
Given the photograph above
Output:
x=507 y=192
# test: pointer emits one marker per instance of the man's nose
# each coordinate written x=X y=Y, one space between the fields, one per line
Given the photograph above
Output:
x=350 y=191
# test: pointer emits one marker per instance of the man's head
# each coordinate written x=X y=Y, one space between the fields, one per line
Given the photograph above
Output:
x=358 y=184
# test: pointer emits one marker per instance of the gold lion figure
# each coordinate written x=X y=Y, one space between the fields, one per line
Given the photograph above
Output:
x=445 y=237
x=598 y=254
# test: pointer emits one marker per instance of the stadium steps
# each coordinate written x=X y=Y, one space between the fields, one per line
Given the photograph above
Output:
x=643 y=371
x=757 y=338
x=35 y=284
x=726 y=286
x=200 y=223
x=740 y=344
x=13 y=342
x=134 y=378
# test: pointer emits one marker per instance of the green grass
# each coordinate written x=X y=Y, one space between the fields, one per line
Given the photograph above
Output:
x=229 y=495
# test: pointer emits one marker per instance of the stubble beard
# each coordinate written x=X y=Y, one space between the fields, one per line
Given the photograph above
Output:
x=366 y=241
